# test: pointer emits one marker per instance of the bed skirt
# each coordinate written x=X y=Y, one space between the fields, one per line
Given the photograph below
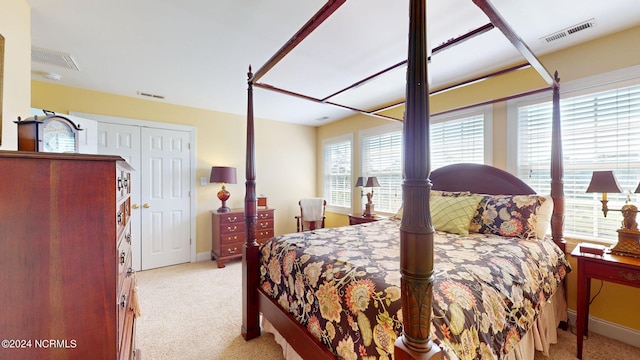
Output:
x=538 y=338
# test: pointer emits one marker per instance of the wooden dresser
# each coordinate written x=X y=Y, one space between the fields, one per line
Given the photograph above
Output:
x=65 y=264
x=228 y=233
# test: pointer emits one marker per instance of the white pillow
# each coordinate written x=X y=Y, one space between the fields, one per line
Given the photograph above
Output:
x=544 y=217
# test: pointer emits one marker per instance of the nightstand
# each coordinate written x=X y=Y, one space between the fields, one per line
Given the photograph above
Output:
x=228 y=233
x=360 y=219
x=623 y=270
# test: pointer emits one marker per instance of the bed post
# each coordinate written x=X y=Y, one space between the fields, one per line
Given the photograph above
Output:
x=557 y=192
x=416 y=230
x=250 y=275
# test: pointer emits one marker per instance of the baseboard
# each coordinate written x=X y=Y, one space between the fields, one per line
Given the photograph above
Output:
x=609 y=329
x=203 y=256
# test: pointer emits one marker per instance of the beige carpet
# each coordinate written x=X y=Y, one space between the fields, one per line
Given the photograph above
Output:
x=193 y=312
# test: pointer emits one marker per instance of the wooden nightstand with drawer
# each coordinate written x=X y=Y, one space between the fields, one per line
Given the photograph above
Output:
x=623 y=270
x=361 y=219
x=228 y=233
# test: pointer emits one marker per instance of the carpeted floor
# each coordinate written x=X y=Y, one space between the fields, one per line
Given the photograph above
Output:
x=193 y=312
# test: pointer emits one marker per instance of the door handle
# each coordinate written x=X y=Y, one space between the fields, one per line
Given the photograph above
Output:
x=135 y=206
x=146 y=206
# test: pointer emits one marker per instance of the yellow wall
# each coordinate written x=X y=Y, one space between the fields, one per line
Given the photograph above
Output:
x=15 y=26
x=274 y=176
x=609 y=53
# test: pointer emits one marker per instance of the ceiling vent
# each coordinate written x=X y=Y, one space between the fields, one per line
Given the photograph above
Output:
x=52 y=57
x=569 y=31
x=155 y=96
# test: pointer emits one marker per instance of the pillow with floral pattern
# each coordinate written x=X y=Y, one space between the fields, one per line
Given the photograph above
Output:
x=507 y=215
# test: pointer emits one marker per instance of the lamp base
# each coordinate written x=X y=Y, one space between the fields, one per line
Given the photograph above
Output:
x=223 y=209
x=223 y=195
x=368 y=210
x=628 y=243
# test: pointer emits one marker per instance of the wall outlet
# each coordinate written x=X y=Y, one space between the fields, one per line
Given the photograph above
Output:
x=204 y=181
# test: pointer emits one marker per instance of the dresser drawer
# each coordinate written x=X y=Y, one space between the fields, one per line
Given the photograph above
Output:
x=231 y=249
x=123 y=261
x=265 y=225
x=232 y=228
x=264 y=234
x=265 y=214
x=228 y=239
x=123 y=305
x=232 y=218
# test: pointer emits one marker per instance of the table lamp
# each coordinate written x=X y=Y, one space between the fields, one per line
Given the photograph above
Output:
x=372 y=182
x=224 y=175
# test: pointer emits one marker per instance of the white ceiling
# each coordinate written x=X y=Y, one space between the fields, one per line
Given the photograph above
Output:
x=196 y=53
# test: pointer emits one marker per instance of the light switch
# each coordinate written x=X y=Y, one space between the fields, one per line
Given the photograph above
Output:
x=203 y=181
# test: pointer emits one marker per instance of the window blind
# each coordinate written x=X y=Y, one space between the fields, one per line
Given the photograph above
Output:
x=457 y=140
x=337 y=172
x=600 y=131
x=382 y=157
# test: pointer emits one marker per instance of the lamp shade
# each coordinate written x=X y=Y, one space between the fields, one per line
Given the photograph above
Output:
x=223 y=174
x=361 y=181
x=637 y=189
x=372 y=182
x=603 y=182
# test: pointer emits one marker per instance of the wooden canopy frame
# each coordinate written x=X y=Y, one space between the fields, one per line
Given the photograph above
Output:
x=416 y=229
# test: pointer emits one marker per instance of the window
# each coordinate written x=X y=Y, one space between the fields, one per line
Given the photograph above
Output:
x=599 y=132
x=337 y=173
x=461 y=137
x=382 y=157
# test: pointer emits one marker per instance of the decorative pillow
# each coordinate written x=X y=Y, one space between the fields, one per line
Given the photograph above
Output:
x=449 y=193
x=507 y=215
x=398 y=214
x=453 y=214
x=544 y=212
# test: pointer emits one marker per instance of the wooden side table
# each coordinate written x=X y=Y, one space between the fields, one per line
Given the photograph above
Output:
x=623 y=270
x=360 y=219
x=228 y=233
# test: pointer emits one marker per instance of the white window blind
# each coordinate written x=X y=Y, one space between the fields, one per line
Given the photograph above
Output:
x=600 y=131
x=337 y=172
x=382 y=158
x=456 y=137
x=457 y=140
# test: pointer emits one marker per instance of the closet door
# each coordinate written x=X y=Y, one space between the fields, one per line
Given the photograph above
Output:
x=165 y=197
x=124 y=140
x=160 y=198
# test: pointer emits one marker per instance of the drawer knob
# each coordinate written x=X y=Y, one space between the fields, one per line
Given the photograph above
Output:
x=233 y=251
x=232 y=228
x=128 y=238
x=119 y=184
x=123 y=257
x=232 y=219
x=123 y=301
x=131 y=271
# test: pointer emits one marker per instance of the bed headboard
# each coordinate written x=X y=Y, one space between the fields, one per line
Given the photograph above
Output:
x=478 y=179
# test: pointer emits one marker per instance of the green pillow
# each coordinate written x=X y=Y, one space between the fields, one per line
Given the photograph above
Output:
x=453 y=214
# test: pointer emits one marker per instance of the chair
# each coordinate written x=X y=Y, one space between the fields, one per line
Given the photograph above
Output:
x=311 y=214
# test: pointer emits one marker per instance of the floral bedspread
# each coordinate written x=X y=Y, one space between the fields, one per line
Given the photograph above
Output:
x=343 y=285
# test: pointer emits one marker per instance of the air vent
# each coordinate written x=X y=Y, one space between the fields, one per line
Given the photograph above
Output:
x=569 y=31
x=53 y=57
x=150 y=95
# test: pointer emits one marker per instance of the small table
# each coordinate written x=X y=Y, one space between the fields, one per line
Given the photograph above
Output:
x=361 y=219
x=623 y=270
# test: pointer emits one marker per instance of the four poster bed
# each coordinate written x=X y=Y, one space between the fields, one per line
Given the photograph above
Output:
x=490 y=285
